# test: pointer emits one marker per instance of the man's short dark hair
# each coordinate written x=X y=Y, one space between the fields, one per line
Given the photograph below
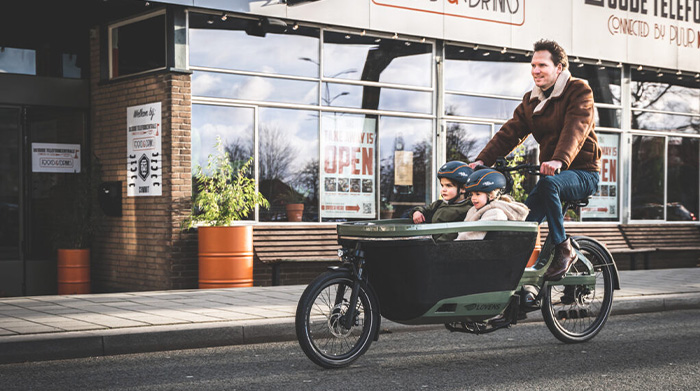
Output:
x=558 y=54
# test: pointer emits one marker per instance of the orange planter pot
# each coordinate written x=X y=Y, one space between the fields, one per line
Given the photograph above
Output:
x=294 y=212
x=225 y=256
x=73 y=271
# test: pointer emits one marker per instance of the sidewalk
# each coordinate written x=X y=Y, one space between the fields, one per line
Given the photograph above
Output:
x=52 y=327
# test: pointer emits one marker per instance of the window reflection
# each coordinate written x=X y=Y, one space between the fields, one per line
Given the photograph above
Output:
x=487 y=72
x=656 y=95
x=465 y=140
x=608 y=118
x=645 y=120
x=479 y=107
x=604 y=81
x=269 y=89
x=376 y=98
x=233 y=124
x=288 y=163
x=294 y=52
x=647 y=178
x=683 y=179
x=405 y=158
x=355 y=57
x=22 y=61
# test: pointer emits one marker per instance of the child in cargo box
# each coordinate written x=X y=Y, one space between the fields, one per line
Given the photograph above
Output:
x=485 y=187
x=454 y=204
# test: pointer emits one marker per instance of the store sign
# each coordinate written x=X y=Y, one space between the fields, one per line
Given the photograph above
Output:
x=348 y=157
x=144 y=155
x=55 y=158
x=502 y=11
x=604 y=203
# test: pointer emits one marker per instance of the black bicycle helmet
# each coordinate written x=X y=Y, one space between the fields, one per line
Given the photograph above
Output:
x=485 y=181
x=456 y=171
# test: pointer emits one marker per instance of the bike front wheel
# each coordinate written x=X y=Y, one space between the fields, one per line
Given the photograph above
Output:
x=321 y=320
x=576 y=313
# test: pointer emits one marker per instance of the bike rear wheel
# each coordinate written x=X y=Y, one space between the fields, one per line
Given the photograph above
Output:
x=320 y=320
x=576 y=313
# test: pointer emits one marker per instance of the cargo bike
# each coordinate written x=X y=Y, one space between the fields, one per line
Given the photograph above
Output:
x=394 y=268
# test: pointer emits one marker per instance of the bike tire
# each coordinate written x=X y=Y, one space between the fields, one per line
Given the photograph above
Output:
x=319 y=331
x=576 y=314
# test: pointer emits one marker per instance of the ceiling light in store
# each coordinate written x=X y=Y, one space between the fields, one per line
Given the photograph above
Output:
x=697 y=75
x=619 y=65
x=295 y=27
x=224 y=17
x=362 y=33
x=476 y=47
x=639 y=68
x=504 y=50
x=396 y=36
x=422 y=40
x=527 y=54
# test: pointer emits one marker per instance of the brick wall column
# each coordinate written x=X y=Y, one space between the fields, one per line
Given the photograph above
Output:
x=144 y=249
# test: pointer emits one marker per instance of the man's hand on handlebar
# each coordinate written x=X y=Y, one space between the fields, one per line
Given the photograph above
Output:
x=551 y=167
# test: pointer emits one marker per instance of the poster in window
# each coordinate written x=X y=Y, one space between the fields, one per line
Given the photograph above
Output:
x=604 y=203
x=144 y=155
x=403 y=168
x=348 y=167
x=48 y=157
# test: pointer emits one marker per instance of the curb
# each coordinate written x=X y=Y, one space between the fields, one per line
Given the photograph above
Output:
x=80 y=344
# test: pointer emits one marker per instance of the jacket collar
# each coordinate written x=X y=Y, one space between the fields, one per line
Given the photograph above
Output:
x=559 y=86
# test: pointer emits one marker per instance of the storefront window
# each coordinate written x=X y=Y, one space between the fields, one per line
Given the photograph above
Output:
x=385 y=60
x=255 y=88
x=377 y=98
x=657 y=96
x=22 y=61
x=683 y=179
x=647 y=201
x=479 y=107
x=137 y=45
x=405 y=159
x=466 y=140
x=242 y=46
x=486 y=72
x=288 y=169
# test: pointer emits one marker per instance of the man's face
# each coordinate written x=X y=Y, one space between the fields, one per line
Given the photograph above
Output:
x=544 y=72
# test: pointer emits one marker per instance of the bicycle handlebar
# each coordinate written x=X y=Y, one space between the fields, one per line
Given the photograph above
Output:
x=532 y=169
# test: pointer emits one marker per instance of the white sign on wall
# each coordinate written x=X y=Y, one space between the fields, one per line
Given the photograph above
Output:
x=55 y=157
x=144 y=155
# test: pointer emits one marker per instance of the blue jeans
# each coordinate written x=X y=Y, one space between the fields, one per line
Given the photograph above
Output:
x=546 y=198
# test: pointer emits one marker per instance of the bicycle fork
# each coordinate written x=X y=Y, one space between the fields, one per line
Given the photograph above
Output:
x=357 y=261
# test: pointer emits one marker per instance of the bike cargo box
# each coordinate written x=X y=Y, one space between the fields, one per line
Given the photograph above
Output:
x=411 y=273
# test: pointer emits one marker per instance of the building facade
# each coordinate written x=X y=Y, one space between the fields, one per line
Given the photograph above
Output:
x=346 y=107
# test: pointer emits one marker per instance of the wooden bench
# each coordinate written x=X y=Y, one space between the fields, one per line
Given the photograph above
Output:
x=663 y=237
x=276 y=244
x=612 y=237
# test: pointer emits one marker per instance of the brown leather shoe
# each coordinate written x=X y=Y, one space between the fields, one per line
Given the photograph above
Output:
x=564 y=257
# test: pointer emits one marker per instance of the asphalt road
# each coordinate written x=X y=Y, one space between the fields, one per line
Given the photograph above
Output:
x=654 y=351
